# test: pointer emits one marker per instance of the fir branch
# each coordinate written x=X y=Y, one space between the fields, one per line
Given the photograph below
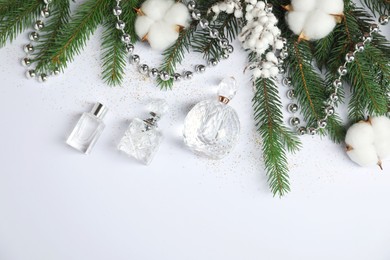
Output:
x=16 y=16
x=175 y=55
x=227 y=26
x=59 y=18
x=114 y=55
x=75 y=35
x=277 y=139
x=381 y=7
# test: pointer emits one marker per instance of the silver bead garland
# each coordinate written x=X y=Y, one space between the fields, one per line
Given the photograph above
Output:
x=333 y=99
x=29 y=48
x=154 y=73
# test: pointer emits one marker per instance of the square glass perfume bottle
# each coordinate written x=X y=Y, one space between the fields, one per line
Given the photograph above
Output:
x=88 y=129
x=143 y=138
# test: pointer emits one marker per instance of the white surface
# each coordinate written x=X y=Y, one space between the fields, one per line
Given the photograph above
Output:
x=59 y=204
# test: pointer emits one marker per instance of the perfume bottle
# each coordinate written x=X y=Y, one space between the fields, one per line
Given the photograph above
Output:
x=88 y=129
x=211 y=128
x=143 y=138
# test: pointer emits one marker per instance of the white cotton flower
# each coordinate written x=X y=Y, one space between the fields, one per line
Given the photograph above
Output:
x=313 y=19
x=156 y=9
x=257 y=73
x=159 y=22
x=368 y=142
x=318 y=30
x=364 y=157
x=274 y=71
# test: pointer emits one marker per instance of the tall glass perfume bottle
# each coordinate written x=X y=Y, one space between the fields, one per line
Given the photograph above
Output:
x=143 y=138
x=88 y=129
x=211 y=128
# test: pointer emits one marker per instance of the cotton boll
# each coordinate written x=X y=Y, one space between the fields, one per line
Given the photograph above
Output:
x=156 y=9
x=263 y=19
x=331 y=6
x=318 y=25
x=381 y=126
x=270 y=56
x=142 y=25
x=296 y=21
x=162 y=35
x=360 y=135
x=304 y=5
x=215 y=9
x=364 y=157
x=382 y=148
x=267 y=65
x=248 y=17
x=249 y=8
x=222 y=7
x=178 y=15
x=253 y=2
x=230 y=8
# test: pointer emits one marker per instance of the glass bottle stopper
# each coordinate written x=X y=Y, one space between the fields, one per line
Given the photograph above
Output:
x=99 y=110
x=227 y=89
x=157 y=109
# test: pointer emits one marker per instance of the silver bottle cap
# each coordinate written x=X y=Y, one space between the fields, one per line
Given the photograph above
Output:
x=99 y=110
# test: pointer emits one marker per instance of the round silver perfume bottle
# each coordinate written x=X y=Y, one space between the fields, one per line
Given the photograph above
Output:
x=212 y=127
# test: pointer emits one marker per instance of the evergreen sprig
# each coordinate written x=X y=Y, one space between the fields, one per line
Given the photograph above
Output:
x=15 y=16
x=114 y=55
x=277 y=139
x=381 y=7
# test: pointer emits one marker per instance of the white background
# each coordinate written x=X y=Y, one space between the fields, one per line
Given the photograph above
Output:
x=56 y=203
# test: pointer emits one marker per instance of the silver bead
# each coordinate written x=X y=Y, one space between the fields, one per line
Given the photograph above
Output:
x=188 y=75
x=329 y=110
x=290 y=94
x=342 y=71
x=286 y=82
x=334 y=97
x=45 y=12
x=301 y=131
x=269 y=8
x=281 y=70
x=359 y=47
x=31 y=74
x=126 y=38
x=204 y=23
x=196 y=15
x=26 y=62
x=337 y=83
x=129 y=48
x=177 y=77
x=214 y=33
x=225 y=55
x=164 y=76
x=143 y=69
x=284 y=40
x=312 y=131
x=350 y=57
x=383 y=19
x=322 y=123
x=117 y=10
x=56 y=72
x=43 y=77
x=294 y=121
x=230 y=49
x=33 y=36
x=28 y=48
x=213 y=62
x=191 y=5
x=39 y=25
x=283 y=55
x=153 y=73
x=223 y=43
x=374 y=28
x=200 y=68
x=292 y=108
x=134 y=59
x=367 y=38
x=120 y=25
